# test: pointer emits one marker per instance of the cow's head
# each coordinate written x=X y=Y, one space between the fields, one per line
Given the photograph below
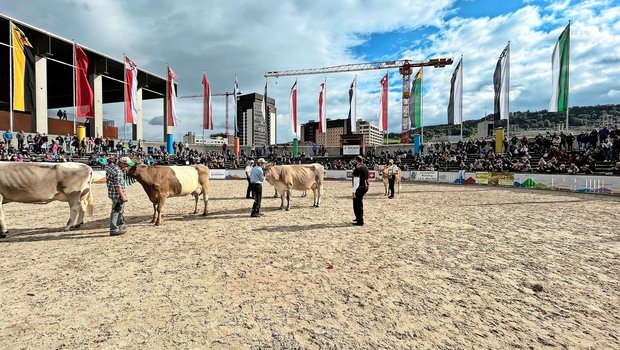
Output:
x=272 y=173
x=136 y=170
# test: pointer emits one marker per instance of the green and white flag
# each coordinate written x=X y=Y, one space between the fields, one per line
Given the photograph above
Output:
x=559 y=60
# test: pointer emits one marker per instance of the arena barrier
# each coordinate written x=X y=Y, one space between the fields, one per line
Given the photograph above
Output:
x=560 y=182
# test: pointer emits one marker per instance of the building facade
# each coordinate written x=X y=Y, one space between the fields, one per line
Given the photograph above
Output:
x=309 y=132
x=254 y=129
x=372 y=135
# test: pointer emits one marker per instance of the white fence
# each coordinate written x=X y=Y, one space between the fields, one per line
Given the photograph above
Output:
x=561 y=182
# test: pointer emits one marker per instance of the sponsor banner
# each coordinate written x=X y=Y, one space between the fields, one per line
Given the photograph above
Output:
x=577 y=183
x=338 y=174
x=99 y=176
x=461 y=177
x=217 y=174
x=495 y=179
x=373 y=175
x=424 y=176
x=350 y=150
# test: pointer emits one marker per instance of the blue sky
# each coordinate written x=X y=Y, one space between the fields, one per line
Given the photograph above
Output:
x=248 y=38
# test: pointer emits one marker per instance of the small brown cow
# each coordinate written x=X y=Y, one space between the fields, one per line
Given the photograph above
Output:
x=161 y=182
x=285 y=178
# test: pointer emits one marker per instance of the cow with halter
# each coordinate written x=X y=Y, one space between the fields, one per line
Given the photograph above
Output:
x=385 y=175
x=161 y=182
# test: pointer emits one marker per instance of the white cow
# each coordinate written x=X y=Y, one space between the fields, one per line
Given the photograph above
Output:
x=41 y=183
x=296 y=177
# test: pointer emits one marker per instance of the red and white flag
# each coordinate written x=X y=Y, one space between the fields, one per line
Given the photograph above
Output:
x=85 y=97
x=207 y=107
x=383 y=111
x=293 y=107
x=131 y=90
x=171 y=95
x=322 y=109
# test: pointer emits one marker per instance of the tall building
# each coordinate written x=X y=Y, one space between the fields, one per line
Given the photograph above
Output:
x=372 y=135
x=254 y=128
x=335 y=128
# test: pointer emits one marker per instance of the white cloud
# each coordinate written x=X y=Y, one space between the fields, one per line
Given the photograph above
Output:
x=228 y=38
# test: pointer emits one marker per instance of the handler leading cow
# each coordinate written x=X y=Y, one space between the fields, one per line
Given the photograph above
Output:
x=41 y=183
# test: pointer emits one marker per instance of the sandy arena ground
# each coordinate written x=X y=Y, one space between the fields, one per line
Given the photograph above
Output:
x=440 y=266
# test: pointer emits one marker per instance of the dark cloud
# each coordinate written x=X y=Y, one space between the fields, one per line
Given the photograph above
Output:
x=159 y=120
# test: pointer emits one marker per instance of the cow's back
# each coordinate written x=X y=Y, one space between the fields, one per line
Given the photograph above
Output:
x=42 y=182
x=186 y=178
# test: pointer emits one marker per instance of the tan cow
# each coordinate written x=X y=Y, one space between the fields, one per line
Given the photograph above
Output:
x=41 y=183
x=296 y=177
x=386 y=183
x=161 y=182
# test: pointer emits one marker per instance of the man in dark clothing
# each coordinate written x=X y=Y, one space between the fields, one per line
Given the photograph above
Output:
x=59 y=114
x=360 y=187
x=257 y=177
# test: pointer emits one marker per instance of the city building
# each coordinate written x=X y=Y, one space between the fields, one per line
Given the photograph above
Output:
x=253 y=128
x=190 y=138
x=372 y=135
x=309 y=132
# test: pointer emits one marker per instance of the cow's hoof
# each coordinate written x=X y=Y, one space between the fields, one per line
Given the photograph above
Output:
x=287 y=209
x=77 y=226
x=3 y=234
x=281 y=208
x=67 y=228
x=204 y=214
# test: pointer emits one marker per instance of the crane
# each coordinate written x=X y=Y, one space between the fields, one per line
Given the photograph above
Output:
x=404 y=68
x=226 y=94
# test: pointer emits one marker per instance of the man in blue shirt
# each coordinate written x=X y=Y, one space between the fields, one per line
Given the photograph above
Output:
x=7 y=136
x=256 y=181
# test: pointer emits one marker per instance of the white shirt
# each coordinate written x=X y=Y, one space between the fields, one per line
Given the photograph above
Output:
x=248 y=170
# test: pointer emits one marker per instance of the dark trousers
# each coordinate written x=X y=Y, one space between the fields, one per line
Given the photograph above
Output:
x=248 y=193
x=117 y=218
x=358 y=204
x=257 y=190
x=391 y=181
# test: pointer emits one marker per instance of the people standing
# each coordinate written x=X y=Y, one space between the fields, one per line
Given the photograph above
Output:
x=64 y=115
x=115 y=181
x=20 y=140
x=59 y=114
x=7 y=136
x=248 y=170
x=256 y=179
x=392 y=173
x=360 y=187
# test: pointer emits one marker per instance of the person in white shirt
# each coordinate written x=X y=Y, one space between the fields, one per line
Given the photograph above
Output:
x=248 y=169
x=392 y=172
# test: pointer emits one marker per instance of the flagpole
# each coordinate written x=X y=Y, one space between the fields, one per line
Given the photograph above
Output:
x=567 y=75
x=508 y=92
x=355 y=92
x=421 y=109
x=11 y=76
x=325 y=110
x=208 y=115
x=74 y=103
x=461 y=99
x=125 y=95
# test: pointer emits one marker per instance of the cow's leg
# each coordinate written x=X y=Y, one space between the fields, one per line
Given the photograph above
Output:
x=160 y=208
x=2 y=225
x=288 y=199
x=154 y=213
x=196 y=197
x=74 y=206
x=205 y=199
x=282 y=200
x=314 y=201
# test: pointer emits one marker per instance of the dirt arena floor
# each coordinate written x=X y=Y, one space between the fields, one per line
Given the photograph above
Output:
x=440 y=266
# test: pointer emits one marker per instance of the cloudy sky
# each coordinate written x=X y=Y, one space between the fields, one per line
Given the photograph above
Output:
x=247 y=38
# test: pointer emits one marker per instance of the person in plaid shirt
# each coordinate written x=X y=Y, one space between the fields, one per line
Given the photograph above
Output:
x=115 y=180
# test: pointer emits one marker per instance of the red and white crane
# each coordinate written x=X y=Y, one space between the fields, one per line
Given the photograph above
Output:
x=404 y=68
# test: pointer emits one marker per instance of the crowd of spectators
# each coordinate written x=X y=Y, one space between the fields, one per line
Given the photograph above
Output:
x=548 y=153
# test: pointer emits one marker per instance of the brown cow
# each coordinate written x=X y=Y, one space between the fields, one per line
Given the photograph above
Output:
x=161 y=182
x=385 y=178
x=41 y=183
x=296 y=177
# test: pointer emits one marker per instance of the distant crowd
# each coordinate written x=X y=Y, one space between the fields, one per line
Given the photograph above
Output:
x=548 y=153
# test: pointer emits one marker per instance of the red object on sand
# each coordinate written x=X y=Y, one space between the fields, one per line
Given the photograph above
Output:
x=330 y=266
